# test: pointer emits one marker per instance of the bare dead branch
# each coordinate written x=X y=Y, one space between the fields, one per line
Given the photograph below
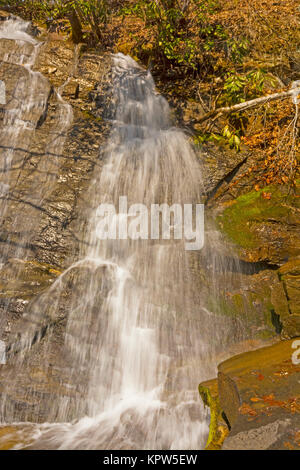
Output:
x=216 y=113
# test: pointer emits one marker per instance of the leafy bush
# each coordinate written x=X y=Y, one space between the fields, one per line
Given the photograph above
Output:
x=174 y=29
x=239 y=87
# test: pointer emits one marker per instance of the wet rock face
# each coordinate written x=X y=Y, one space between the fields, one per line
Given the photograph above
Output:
x=289 y=275
x=51 y=132
x=264 y=226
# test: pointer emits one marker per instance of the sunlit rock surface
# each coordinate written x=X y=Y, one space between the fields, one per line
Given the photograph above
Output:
x=255 y=400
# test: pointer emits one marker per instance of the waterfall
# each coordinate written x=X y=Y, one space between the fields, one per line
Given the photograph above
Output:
x=28 y=99
x=26 y=108
x=135 y=345
x=139 y=335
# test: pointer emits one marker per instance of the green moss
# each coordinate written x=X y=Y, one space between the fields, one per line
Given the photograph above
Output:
x=238 y=301
x=90 y=116
x=218 y=430
x=253 y=308
x=239 y=220
x=214 y=406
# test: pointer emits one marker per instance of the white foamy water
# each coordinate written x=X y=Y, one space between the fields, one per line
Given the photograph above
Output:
x=16 y=29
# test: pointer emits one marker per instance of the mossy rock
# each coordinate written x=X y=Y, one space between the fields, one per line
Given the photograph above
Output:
x=264 y=224
x=291 y=327
x=252 y=306
x=218 y=430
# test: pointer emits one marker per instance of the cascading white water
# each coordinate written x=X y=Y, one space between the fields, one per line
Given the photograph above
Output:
x=29 y=99
x=133 y=360
x=26 y=105
x=138 y=331
x=17 y=30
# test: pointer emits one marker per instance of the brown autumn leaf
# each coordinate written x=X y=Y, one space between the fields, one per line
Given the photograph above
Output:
x=270 y=400
x=268 y=397
x=246 y=409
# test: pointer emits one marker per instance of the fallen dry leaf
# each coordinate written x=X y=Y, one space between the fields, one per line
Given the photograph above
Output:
x=246 y=409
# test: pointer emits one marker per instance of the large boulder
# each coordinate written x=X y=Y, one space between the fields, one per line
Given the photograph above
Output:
x=258 y=398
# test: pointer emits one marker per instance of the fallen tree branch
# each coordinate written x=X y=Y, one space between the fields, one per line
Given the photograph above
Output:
x=216 y=113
